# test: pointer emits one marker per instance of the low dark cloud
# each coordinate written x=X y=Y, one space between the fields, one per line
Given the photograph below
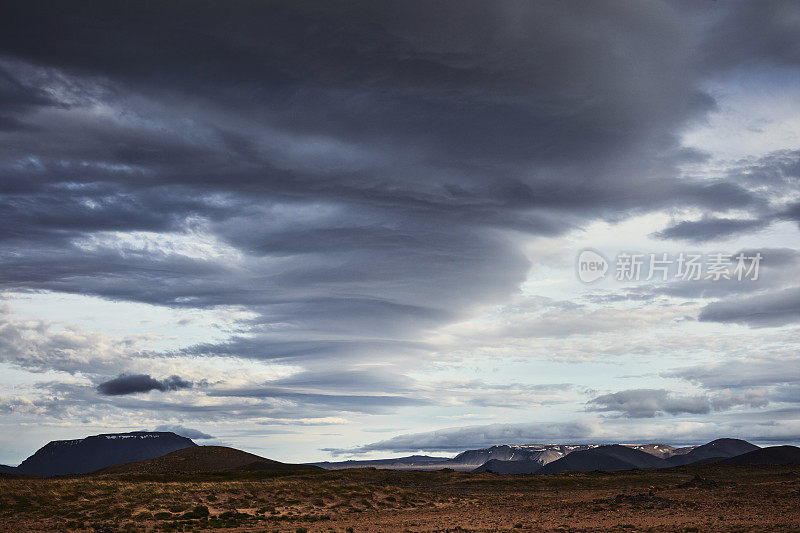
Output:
x=758 y=425
x=757 y=381
x=647 y=403
x=710 y=228
x=762 y=310
x=458 y=439
x=189 y=433
x=135 y=383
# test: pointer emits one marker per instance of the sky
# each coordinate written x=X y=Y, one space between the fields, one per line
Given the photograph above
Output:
x=331 y=230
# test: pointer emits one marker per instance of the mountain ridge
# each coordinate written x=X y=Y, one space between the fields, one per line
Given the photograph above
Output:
x=471 y=460
x=774 y=455
x=607 y=458
x=716 y=448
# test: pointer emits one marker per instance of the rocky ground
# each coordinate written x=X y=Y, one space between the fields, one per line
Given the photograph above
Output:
x=703 y=498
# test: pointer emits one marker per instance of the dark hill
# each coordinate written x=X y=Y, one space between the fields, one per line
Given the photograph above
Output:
x=510 y=467
x=81 y=456
x=605 y=458
x=773 y=455
x=716 y=448
x=5 y=469
x=203 y=459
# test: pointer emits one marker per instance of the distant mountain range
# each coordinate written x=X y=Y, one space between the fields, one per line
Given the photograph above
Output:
x=412 y=462
x=167 y=453
x=539 y=453
x=626 y=457
x=554 y=458
x=507 y=459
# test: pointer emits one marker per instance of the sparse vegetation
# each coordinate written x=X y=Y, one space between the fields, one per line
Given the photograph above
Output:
x=685 y=499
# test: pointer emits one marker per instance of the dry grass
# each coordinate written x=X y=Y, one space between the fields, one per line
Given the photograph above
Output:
x=722 y=498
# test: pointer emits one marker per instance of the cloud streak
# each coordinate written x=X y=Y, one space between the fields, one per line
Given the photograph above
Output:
x=137 y=383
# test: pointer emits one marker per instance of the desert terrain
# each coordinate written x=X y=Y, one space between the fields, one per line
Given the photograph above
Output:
x=692 y=498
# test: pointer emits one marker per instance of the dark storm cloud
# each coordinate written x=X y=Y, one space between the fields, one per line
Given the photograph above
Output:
x=384 y=88
x=17 y=98
x=135 y=383
x=369 y=128
x=359 y=169
x=757 y=32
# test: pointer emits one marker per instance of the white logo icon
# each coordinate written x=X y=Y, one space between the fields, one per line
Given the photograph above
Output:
x=591 y=266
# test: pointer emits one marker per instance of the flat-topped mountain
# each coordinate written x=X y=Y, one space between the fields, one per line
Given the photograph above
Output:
x=81 y=456
x=199 y=459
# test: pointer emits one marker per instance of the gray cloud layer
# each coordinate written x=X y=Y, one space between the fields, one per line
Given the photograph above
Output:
x=371 y=162
x=354 y=173
x=771 y=309
x=646 y=403
x=470 y=437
